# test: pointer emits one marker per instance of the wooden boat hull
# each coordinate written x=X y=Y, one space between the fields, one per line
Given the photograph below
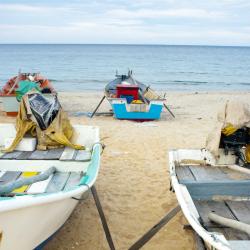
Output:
x=203 y=186
x=122 y=110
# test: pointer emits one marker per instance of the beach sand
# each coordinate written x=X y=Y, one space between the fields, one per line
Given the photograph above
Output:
x=133 y=183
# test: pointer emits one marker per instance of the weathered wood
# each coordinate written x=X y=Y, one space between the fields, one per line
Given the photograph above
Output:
x=241 y=210
x=103 y=219
x=206 y=207
x=147 y=236
x=68 y=154
x=203 y=173
x=242 y=245
x=39 y=187
x=73 y=180
x=54 y=154
x=9 y=176
x=24 y=155
x=58 y=182
x=12 y=155
x=38 y=155
x=229 y=233
x=207 y=190
x=83 y=155
x=184 y=173
x=199 y=242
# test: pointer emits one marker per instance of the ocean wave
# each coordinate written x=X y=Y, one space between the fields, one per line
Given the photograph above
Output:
x=245 y=83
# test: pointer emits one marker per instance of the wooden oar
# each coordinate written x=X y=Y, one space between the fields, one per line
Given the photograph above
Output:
x=166 y=107
x=99 y=104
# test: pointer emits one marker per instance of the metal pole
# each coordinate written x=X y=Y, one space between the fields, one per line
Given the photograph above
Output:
x=97 y=106
x=147 y=236
x=103 y=219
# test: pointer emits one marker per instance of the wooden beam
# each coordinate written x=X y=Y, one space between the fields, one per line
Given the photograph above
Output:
x=147 y=236
x=103 y=219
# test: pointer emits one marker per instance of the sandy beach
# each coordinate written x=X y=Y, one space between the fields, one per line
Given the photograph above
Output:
x=133 y=182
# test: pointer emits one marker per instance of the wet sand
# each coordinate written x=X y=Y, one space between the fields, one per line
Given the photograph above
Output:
x=133 y=183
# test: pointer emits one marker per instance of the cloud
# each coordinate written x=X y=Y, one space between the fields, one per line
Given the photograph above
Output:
x=112 y=21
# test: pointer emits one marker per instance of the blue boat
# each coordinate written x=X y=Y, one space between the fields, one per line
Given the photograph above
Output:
x=144 y=112
x=133 y=100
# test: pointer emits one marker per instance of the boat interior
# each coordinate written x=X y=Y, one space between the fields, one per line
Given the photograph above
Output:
x=70 y=164
x=220 y=189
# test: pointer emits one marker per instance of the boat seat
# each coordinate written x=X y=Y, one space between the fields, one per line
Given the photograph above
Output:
x=59 y=181
x=62 y=154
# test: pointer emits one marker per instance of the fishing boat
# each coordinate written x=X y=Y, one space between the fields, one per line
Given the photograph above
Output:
x=40 y=189
x=8 y=94
x=212 y=185
x=133 y=100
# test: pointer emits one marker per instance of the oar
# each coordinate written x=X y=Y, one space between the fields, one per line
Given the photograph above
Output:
x=99 y=104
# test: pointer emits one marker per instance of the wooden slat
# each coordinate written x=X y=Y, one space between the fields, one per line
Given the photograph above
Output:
x=24 y=175
x=83 y=155
x=208 y=190
x=1 y=174
x=206 y=207
x=73 y=180
x=58 y=182
x=184 y=173
x=12 y=155
x=68 y=154
x=241 y=210
x=9 y=176
x=54 y=154
x=24 y=155
x=203 y=173
x=38 y=155
x=39 y=187
x=230 y=233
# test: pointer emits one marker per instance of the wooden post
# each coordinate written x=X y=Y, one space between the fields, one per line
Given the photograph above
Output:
x=103 y=219
x=147 y=236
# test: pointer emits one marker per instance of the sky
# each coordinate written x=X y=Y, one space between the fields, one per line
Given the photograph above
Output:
x=171 y=22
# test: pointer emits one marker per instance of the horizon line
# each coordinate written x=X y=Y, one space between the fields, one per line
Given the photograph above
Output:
x=128 y=44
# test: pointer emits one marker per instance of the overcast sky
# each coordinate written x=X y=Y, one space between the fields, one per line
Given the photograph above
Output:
x=212 y=22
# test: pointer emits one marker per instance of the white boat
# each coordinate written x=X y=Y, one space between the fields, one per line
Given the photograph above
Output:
x=205 y=186
x=32 y=214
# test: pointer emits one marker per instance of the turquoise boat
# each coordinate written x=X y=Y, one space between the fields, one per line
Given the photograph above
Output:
x=133 y=100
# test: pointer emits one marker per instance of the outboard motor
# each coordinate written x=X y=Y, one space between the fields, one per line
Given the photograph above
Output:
x=236 y=142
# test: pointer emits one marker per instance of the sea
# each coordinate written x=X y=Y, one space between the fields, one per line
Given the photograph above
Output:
x=78 y=67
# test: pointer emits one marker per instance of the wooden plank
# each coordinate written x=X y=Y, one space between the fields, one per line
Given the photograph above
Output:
x=230 y=233
x=9 y=176
x=148 y=235
x=24 y=155
x=241 y=210
x=203 y=173
x=39 y=187
x=206 y=207
x=38 y=155
x=58 y=182
x=83 y=155
x=68 y=154
x=184 y=173
x=73 y=180
x=12 y=155
x=2 y=173
x=54 y=154
x=242 y=245
x=208 y=190
x=24 y=175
